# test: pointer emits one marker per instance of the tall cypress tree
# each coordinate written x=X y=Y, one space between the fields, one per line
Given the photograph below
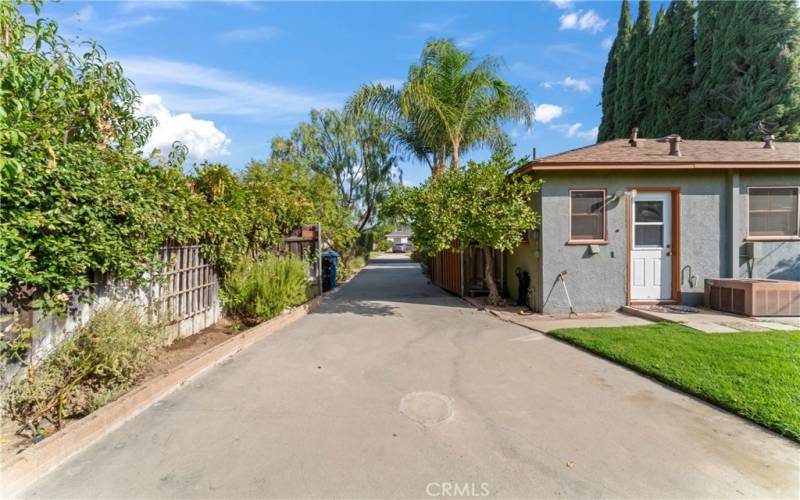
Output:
x=678 y=64
x=659 y=43
x=767 y=85
x=622 y=45
x=636 y=64
x=610 y=76
x=605 y=131
x=731 y=75
x=707 y=14
x=718 y=84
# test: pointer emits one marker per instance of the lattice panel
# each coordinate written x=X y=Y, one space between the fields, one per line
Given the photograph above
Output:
x=190 y=283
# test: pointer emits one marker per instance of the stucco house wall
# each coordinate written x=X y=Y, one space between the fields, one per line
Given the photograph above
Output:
x=526 y=258
x=779 y=259
x=598 y=282
x=708 y=247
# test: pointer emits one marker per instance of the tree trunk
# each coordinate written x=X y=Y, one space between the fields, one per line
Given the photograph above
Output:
x=441 y=159
x=488 y=277
x=456 y=146
x=364 y=221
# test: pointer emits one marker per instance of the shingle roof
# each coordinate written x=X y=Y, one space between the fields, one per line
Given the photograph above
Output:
x=651 y=151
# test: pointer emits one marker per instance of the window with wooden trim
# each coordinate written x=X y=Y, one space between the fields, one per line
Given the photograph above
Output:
x=772 y=212
x=587 y=216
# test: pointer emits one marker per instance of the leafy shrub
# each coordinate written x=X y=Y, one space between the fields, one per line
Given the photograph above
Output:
x=79 y=200
x=95 y=366
x=423 y=260
x=385 y=245
x=78 y=197
x=259 y=289
x=343 y=272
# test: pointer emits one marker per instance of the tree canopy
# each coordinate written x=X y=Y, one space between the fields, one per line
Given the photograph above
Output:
x=476 y=204
x=717 y=70
x=79 y=198
x=449 y=104
x=356 y=152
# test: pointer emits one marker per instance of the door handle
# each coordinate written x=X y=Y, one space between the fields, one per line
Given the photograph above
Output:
x=669 y=253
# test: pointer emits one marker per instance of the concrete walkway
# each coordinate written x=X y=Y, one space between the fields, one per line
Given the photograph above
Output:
x=545 y=323
x=710 y=321
x=396 y=389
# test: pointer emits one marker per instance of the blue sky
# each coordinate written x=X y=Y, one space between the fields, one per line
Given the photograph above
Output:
x=226 y=77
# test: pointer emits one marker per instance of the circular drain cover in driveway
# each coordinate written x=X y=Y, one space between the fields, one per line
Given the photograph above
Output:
x=427 y=408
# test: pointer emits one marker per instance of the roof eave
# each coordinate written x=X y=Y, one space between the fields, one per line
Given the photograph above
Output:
x=659 y=165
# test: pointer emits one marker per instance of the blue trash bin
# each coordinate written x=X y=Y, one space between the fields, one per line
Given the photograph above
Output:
x=330 y=260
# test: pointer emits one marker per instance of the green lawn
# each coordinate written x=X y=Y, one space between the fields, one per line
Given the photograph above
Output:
x=753 y=374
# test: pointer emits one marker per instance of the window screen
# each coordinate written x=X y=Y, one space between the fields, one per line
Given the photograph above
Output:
x=588 y=217
x=772 y=211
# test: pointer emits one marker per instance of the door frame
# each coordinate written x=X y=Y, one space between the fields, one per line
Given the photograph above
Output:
x=676 y=243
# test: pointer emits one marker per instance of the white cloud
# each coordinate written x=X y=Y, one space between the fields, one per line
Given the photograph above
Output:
x=591 y=133
x=87 y=19
x=471 y=39
x=202 y=137
x=434 y=26
x=545 y=113
x=574 y=83
x=138 y=5
x=576 y=130
x=583 y=21
x=205 y=90
x=124 y=24
x=609 y=41
x=570 y=83
x=569 y=21
x=562 y=4
x=250 y=34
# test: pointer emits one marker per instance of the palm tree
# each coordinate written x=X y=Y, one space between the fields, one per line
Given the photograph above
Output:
x=449 y=105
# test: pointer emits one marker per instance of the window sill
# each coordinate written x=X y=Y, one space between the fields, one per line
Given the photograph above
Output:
x=772 y=238
x=587 y=242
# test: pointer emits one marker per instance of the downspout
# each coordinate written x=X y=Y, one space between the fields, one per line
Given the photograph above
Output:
x=733 y=177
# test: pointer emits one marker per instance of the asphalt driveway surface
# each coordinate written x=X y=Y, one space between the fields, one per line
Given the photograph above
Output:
x=395 y=389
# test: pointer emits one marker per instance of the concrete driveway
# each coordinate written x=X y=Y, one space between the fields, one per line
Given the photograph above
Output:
x=396 y=389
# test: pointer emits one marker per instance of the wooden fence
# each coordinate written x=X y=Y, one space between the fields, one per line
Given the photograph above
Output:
x=305 y=243
x=446 y=271
x=188 y=298
x=462 y=272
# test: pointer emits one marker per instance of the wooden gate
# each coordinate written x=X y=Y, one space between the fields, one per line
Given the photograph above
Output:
x=462 y=273
x=446 y=271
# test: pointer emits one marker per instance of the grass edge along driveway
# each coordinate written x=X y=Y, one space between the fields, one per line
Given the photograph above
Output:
x=753 y=374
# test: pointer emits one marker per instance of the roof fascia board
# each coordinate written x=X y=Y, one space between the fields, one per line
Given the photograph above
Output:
x=656 y=166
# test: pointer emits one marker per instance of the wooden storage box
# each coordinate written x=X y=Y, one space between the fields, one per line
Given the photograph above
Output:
x=753 y=297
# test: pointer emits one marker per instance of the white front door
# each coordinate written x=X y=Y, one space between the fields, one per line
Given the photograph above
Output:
x=651 y=248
